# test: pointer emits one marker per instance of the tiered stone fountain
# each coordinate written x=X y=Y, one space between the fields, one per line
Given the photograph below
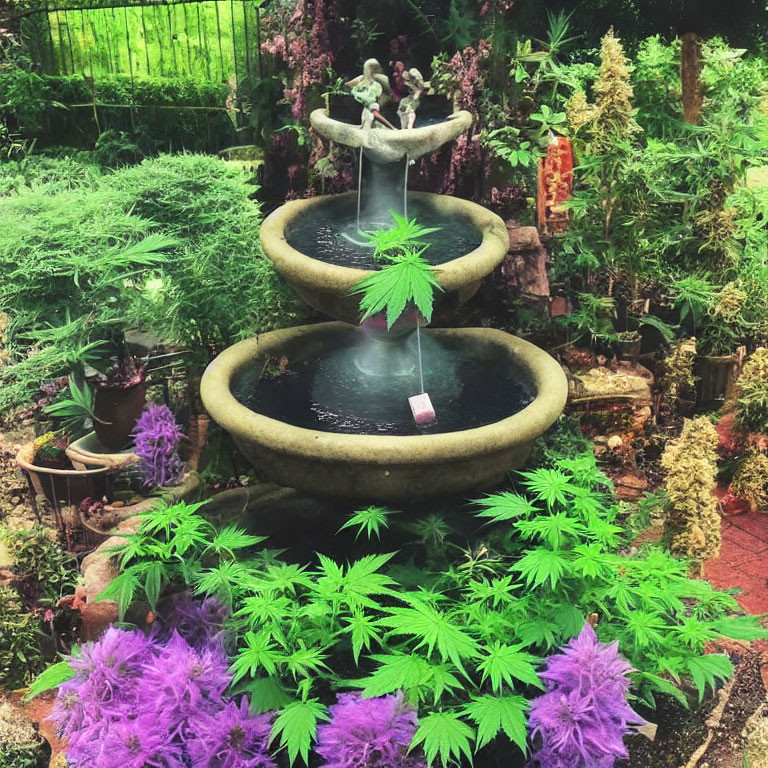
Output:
x=323 y=408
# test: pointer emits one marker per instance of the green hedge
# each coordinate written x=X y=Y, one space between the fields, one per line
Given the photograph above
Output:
x=177 y=113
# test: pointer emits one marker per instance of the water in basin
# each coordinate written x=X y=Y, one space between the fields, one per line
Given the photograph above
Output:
x=328 y=232
x=362 y=387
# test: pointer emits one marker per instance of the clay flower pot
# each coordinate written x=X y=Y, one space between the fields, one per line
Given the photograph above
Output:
x=717 y=375
x=117 y=409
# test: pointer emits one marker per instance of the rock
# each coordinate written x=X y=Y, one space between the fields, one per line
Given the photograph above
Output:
x=626 y=382
x=20 y=742
x=98 y=571
x=525 y=266
x=629 y=487
x=755 y=735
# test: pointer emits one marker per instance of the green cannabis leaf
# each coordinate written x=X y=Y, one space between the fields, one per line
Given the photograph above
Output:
x=409 y=279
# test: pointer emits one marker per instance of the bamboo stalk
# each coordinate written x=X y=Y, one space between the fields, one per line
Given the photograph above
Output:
x=146 y=38
x=190 y=66
x=221 y=48
x=130 y=68
x=203 y=46
x=244 y=5
x=171 y=41
x=234 y=41
x=159 y=41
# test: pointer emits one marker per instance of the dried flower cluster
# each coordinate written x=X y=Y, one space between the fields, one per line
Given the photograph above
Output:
x=583 y=717
x=138 y=703
x=302 y=41
x=614 y=118
x=579 y=111
x=369 y=733
x=752 y=405
x=678 y=381
x=750 y=482
x=157 y=439
x=690 y=462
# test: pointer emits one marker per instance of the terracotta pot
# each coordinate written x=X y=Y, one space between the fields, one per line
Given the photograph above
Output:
x=716 y=376
x=117 y=411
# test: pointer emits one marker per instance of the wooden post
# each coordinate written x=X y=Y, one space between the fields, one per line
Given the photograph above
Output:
x=690 y=76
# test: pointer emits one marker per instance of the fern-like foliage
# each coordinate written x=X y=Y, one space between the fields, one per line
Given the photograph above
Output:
x=405 y=236
x=407 y=280
x=462 y=638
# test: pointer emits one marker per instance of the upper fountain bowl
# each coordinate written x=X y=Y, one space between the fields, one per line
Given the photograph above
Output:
x=310 y=245
x=382 y=145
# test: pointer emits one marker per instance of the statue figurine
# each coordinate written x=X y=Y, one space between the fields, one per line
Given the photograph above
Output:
x=368 y=89
x=410 y=103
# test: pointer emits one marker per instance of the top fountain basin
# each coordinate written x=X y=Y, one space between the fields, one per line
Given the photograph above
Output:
x=326 y=287
x=382 y=145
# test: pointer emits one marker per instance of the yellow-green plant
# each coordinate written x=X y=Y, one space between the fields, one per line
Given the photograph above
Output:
x=692 y=524
x=679 y=379
x=750 y=482
x=752 y=405
x=614 y=114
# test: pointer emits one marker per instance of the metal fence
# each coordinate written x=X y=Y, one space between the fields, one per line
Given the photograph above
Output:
x=212 y=40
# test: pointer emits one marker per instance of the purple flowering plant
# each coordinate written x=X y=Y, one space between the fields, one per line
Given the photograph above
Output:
x=137 y=702
x=157 y=437
x=374 y=733
x=583 y=717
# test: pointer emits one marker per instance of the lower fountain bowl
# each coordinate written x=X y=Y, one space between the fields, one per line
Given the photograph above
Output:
x=375 y=467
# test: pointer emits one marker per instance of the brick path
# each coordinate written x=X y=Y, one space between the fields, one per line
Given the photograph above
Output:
x=743 y=560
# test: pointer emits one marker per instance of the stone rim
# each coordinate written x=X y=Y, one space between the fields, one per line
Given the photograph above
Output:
x=382 y=450
x=307 y=272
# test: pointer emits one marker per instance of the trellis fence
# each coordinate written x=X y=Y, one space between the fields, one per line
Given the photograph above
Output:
x=205 y=40
x=120 y=64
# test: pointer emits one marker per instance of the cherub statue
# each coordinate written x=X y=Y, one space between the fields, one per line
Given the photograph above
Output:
x=410 y=103
x=368 y=89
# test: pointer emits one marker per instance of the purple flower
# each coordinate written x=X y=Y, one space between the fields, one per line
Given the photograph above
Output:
x=186 y=682
x=583 y=717
x=138 y=703
x=369 y=733
x=157 y=440
x=140 y=743
x=199 y=622
x=231 y=738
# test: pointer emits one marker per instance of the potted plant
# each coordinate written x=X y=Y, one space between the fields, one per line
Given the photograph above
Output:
x=50 y=473
x=719 y=359
x=119 y=398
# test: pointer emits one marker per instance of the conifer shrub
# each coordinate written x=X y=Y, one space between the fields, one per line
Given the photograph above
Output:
x=750 y=481
x=693 y=524
x=752 y=405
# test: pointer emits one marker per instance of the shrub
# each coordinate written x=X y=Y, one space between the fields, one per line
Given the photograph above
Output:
x=690 y=462
x=20 y=744
x=20 y=654
x=752 y=405
x=219 y=288
x=750 y=482
x=459 y=637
